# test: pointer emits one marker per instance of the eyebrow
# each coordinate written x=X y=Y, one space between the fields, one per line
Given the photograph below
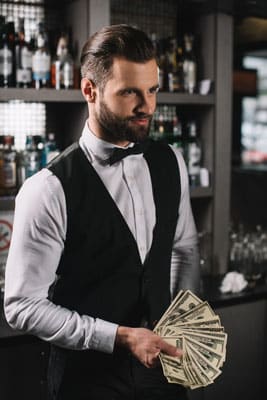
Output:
x=154 y=87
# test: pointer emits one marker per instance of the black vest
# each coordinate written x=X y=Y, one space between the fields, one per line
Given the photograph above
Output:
x=100 y=271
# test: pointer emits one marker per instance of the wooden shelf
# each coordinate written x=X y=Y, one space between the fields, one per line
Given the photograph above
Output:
x=184 y=98
x=44 y=95
x=7 y=203
x=201 y=192
x=250 y=169
x=75 y=96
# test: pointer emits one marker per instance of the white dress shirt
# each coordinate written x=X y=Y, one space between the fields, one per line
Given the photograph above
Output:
x=39 y=232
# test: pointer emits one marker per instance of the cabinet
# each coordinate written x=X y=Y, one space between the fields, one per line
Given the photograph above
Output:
x=66 y=111
x=244 y=372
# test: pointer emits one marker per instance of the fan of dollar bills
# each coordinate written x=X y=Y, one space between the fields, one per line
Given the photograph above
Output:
x=190 y=324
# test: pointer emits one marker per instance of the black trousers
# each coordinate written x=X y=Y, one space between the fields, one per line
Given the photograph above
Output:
x=89 y=375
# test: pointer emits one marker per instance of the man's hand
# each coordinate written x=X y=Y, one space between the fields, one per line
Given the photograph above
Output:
x=145 y=345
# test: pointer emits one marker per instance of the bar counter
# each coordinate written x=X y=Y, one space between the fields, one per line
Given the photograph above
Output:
x=210 y=291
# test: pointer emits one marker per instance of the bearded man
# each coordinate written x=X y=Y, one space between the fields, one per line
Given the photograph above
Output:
x=104 y=236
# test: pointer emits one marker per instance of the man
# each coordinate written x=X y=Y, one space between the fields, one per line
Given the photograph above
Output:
x=112 y=234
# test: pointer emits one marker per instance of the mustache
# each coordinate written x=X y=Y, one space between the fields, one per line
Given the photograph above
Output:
x=140 y=116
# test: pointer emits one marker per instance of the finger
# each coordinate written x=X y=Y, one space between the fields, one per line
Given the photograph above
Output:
x=170 y=350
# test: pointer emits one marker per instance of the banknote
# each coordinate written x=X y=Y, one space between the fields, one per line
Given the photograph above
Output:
x=191 y=325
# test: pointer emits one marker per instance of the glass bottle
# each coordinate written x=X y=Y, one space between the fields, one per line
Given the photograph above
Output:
x=41 y=60
x=193 y=153
x=62 y=70
x=21 y=168
x=175 y=65
x=7 y=56
x=177 y=140
x=32 y=157
x=189 y=65
x=179 y=72
x=23 y=54
x=51 y=149
x=8 y=173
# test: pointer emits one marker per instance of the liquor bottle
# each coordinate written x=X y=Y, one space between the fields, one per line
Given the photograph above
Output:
x=51 y=149
x=175 y=67
x=23 y=54
x=41 y=60
x=32 y=157
x=21 y=168
x=7 y=56
x=163 y=63
x=189 y=65
x=8 y=182
x=160 y=56
x=178 y=84
x=158 y=124
x=39 y=144
x=168 y=122
x=62 y=70
x=171 y=62
x=2 y=38
x=193 y=153
x=177 y=139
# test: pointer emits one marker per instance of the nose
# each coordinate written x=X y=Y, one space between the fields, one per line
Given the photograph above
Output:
x=146 y=104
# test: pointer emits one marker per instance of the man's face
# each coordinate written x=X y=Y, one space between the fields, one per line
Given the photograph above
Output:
x=124 y=108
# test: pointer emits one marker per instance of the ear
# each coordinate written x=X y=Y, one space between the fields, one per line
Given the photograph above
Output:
x=88 y=89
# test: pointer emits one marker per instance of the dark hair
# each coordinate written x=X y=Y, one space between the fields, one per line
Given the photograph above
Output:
x=113 y=41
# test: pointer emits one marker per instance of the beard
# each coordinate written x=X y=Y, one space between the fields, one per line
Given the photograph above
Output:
x=115 y=128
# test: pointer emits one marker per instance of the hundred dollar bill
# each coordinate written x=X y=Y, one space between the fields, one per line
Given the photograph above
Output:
x=214 y=321
x=190 y=324
x=209 y=328
x=209 y=325
x=214 y=340
x=203 y=378
x=217 y=344
x=172 y=367
x=200 y=312
x=209 y=370
x=214 y=357
x=192 y=377
x=184 y=302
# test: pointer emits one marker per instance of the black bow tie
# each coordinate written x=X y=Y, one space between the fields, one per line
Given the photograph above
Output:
x=119 y=153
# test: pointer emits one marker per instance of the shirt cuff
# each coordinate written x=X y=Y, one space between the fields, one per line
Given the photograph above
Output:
x=103 y=337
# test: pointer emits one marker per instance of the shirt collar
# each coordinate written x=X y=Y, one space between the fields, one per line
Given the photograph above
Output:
x=97 y=148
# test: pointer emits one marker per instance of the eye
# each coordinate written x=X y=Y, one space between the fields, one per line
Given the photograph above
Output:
x=153 y=90
x=128 y=92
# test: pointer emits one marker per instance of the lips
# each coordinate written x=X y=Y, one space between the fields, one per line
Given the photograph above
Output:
x=141 y=121
x=144 y=120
